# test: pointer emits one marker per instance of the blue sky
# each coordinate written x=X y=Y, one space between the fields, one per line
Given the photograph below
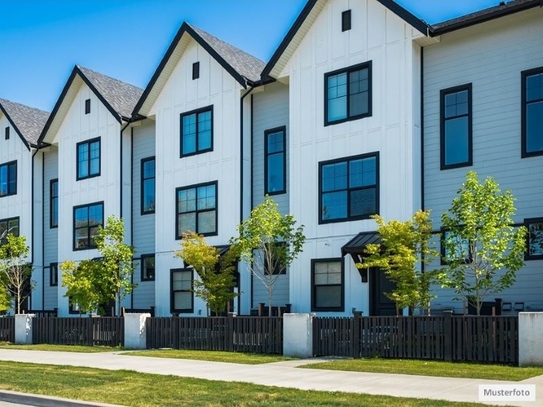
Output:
x=41 y=40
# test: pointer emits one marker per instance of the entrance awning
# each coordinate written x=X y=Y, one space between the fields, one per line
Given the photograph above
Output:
x=356 y=248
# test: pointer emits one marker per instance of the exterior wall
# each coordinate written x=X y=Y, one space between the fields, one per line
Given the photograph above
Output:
x=490 y=56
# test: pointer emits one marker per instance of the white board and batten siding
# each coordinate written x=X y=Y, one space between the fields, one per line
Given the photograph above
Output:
x=489 y=56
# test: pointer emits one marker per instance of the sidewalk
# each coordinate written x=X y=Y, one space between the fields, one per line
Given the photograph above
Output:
x=281 y=374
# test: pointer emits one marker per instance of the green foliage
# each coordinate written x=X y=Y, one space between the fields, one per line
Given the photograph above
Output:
x=15 y=272
x=405 y=248
x=91 y=284
x=268 y=241
x=483 y=248
x=216 y=282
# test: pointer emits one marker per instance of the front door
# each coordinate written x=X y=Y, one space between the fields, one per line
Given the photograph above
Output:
x=380 y=304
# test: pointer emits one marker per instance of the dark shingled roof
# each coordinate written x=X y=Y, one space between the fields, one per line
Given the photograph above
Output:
x=28 y=121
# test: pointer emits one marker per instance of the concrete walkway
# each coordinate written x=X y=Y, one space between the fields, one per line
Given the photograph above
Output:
x=281 y=374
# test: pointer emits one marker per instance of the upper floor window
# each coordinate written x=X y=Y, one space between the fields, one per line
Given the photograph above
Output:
x=147 y=267
x=182 y=299
x=197 y=209
x=88 y=159
x=148 y=185
x=327 y=285
x=53 y=274
x=532 y=112
x=347 y=94
x=54 y=203
x=456 y=143
x=87 y=219
x=197 y=131
x=275 y=161
x=6 y=133
x=195 y=70
x=346 y=20
x=349 y=188
x=8 y=179
x=454 y=248
x=9 y=225
x=534 y=248
x=87 y=106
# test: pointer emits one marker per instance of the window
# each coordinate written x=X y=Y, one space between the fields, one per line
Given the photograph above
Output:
x=275 y=161
x=197 y=131
x=87 y=218
x=88 y=159
x=6 y=134
x=181 y=297
x=197 y=209
x=534 y=247
x=327 y=285
x=53 y=188
x=195 y=70
x=346 y=20
x=53 y=274
x=461 y=248
x=456 y=140
x=73 y=307
x=87 y=106
x=8 y=179
x=9 y=225
x=148 y=185
x=349 y=188
x=347 y=94
x=532 y=112
x=147 y=267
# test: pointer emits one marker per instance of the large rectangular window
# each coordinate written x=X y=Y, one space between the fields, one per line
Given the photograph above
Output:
x=197 y=209
x=88 y=159
x=148 y=185
x=534 y=247
x=87 y=219
x=8 y=179
x=197 y=131
x=181 y=291
x=9 y=225
x=275 y=161
x=456 y=138
x=532 y=112
x=327 y=284
x=53 y=204
x=347 y=94
x=147 y=267
x=349 y=188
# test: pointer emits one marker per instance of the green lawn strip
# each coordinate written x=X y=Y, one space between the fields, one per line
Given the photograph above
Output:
x=60 y=348
x=138 y=389
x=212 y=356
x=431 y=368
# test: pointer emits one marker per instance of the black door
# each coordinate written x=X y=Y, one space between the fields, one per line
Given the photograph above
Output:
x=380 y=304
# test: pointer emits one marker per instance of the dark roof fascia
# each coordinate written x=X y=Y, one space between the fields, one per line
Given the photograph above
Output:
x=358 y=243
x=405 y=15
x=26 y=143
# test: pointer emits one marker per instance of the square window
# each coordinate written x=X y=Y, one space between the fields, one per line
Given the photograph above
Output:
x=182 y=299
x=327 y=280
x=532 y=112
x=88 y=159
x=275 y=161
x=148 y=185
x=9 y=225
x=454 y=248
x=534 y=244
x=87 y=218
x=147 y=267
x=197 y=209
x=197 y=131
x=8 y=179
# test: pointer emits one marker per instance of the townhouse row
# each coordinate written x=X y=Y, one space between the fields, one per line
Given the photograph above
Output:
x=363 y=109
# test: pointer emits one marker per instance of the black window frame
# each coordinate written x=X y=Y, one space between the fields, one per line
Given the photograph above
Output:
x=178 y=236
x=7 y=227
x=172 y=292
x=87 y=106
x=196 y=70
x=91 y=244
x=144 y=276
x=143 y=180
x=6 y=133
x=53 y=204
x=196 y=112
x=442 y=120
x=11 y=167
x=78 y=164
x=346 y=20
x=349 y=218
x=314 y=306
x=358 y=67
x=527 y=223
x=268 y=155
x=524 y=103
x=53 y=274
x=443 y=252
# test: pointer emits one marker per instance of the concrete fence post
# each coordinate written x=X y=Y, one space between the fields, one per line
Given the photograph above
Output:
x=298 y=335
x=23 y=329
x=530 y=345
x=135 y=332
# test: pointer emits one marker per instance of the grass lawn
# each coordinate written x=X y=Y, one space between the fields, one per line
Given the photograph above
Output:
x=59 y=348
x=213 y=356
x=431 y=368
x=138 y=389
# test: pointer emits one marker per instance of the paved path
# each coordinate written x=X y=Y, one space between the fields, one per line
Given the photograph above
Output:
x=282 y=374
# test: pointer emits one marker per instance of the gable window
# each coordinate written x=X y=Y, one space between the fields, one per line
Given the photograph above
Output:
x=181 y=291
x=53 y=274
x=8 y=179
x=275 y=161
x=327 y=285
x=346 y=20
x=147 y=267
x=87 y=219
x=9 y=225
x=195 y=70
x=534 y=247
x=456 y=138
x=6 y=133
x=348 y=188
x=88 y=159
x=197 y=131
x=87 y=106
x=148 y=185
x=347 y=94
x=197 y=209
x=532 y=112
x=53 y=205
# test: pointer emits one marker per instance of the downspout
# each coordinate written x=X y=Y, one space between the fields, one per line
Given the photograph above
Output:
x=422 y=192
x=32 y=221
x=132 y=206
x=43 y=232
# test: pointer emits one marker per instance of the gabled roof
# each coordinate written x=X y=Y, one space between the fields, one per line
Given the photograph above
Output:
x=117 y=96
x=243 y=67
x=27 y=121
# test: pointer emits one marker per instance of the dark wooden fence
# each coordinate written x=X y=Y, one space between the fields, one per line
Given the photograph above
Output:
x=104 y=331
x=237 y=334
x=7 y=329
x=487 y=339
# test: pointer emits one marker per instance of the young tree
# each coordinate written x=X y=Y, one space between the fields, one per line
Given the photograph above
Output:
x=15 y=271
x=483 y=250
x=405 y=249
x=216 y=282
x=268 y=242
x=95 y=283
